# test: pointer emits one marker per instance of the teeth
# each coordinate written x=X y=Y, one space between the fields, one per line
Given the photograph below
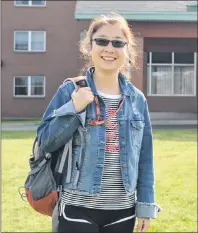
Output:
x=108 y=58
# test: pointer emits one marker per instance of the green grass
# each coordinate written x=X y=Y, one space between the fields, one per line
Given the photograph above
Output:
x=175 y=171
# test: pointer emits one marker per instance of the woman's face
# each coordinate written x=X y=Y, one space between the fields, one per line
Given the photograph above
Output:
x=108 y=58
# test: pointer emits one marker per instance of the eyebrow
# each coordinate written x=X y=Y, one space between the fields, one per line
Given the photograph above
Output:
x=116 y=37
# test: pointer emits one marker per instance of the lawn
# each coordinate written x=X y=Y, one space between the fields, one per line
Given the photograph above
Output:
x=176 y=182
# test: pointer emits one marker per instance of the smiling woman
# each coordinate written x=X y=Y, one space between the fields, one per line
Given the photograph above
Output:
x=107 y=124
x=112 y=28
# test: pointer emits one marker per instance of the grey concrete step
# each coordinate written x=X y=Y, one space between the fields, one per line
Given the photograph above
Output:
x=173 y=116
x=168 y=123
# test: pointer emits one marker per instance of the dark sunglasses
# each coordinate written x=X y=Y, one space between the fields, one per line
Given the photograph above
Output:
x=105 y=42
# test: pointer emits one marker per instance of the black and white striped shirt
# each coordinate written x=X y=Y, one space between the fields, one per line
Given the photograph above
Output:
x=112 y=195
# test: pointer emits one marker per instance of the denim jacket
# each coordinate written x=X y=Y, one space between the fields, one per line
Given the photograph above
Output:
x=61 y=123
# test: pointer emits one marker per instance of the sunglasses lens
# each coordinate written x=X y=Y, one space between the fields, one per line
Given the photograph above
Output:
x=118 y=44
x=105 y=42
x=102 y=42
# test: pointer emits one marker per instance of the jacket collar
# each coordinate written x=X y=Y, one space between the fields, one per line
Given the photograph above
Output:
x=125 y=85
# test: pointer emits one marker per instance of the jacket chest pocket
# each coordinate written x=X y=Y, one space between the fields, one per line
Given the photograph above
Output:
x=137 y=132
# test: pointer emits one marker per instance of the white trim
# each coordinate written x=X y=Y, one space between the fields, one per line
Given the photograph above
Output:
x=121 y=220
x=169 y=64
x=29 y=87
x=195 y=72
x=30 y=4
x=62 y=212
x=173 y=74
x=173 y=65
x=44 y=40
x=75 y=219
x=110 y=96
x=150 y=71
x=175 y=95
x=29 y=41
x=44 y=87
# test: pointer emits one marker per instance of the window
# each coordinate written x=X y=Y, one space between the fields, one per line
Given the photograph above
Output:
x=30 y=3
x=30 y=41
x=29 y=86
x=192 y=6
x=171 y=74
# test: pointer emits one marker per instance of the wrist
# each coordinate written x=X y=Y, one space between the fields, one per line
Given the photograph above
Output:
x=75 y=106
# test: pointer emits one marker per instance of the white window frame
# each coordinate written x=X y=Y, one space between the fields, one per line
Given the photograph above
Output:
x=29 y=42
x=29 y=4
x=29 y=87
x=172 y=65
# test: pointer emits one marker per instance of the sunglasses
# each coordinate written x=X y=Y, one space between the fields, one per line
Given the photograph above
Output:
x=105 y=42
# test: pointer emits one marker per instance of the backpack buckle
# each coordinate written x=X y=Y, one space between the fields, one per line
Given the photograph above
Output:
x=59 y=188
x=47 y=156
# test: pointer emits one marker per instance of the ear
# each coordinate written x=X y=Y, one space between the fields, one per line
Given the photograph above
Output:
x=89 y=47
x=127 y=56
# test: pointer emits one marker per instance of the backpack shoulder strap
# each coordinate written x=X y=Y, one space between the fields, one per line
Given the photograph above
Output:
x=35 y=148
x=75 y=81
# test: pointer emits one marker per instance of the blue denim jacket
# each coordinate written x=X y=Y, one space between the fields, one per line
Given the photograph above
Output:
x=60 y=123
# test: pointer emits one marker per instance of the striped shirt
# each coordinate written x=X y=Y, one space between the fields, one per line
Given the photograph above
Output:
x=112 y=195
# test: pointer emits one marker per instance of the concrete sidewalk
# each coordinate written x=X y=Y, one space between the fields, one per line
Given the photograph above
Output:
x=158 y=120
x=155 y=125
x=19 y=127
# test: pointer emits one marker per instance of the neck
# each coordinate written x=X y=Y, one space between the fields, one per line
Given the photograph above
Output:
x=107 y=82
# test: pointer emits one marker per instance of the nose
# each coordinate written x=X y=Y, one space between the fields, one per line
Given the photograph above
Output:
x=109 y=47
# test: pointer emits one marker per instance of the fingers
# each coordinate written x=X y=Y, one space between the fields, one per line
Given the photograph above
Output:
x=143 y=224
x=85 y=89
x=76 y=79
x=90 y=97
x=139 y=225
x=81 y=97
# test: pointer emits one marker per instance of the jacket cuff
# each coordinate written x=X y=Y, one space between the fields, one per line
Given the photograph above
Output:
x=69 y=109
x=147 y=210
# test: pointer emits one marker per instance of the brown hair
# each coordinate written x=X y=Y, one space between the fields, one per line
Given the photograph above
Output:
x=111 y=18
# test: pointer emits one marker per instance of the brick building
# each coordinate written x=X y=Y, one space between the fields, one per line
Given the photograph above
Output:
x=40 y=49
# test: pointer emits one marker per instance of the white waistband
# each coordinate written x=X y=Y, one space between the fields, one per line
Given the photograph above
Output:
x=62 y=212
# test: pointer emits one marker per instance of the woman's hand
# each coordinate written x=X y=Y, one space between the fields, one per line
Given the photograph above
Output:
x=143 y=224
x=82 y=97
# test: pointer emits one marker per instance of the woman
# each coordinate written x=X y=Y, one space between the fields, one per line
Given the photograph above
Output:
x=112 y=171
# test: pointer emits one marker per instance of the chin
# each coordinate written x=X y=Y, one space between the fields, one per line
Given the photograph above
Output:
x=105 y=69
x=108 y=68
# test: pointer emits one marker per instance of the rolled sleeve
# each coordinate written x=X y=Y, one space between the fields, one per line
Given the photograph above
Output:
x=147 y=210
x=69 y=109
x=145 y=205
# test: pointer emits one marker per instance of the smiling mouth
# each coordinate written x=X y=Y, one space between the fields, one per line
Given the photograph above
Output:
x=108 y=58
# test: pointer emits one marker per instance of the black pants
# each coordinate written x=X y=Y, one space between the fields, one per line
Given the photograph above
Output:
x=84 y=220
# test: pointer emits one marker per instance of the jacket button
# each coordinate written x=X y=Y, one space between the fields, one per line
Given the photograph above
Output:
x=123 y=142
x=121 y=122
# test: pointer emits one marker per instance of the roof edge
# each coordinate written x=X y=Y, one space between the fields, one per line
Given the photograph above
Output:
x=145 y=16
